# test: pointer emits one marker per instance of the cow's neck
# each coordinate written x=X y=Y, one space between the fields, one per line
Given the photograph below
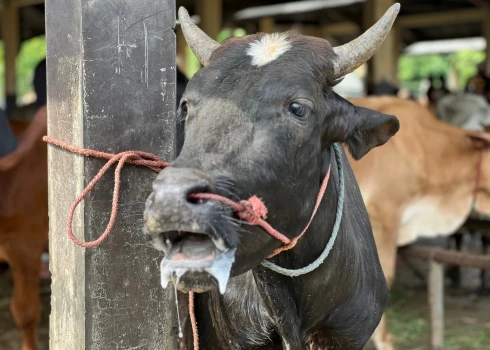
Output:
x=264 y=307
x=315 y=297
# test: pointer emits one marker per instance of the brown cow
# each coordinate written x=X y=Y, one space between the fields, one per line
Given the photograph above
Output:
x=24 y=234
x=419 y=184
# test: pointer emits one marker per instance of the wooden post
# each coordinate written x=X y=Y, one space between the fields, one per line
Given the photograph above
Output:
x=181 y=51
x=111 y=87
x=211 y=13
x=436 y=305
x=267 y=25
x=11 y=38
x=311 y=30
x=383 y=66
x=397 y=50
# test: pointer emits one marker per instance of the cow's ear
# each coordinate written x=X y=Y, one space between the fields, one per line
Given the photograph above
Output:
x=371 y=129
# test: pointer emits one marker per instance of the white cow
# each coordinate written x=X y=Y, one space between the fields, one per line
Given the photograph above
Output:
x=465 y=110
x=470 y=112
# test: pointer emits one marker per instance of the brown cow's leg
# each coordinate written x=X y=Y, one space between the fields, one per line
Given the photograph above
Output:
x=382 y=338
x=26 y=306
x=384 y=231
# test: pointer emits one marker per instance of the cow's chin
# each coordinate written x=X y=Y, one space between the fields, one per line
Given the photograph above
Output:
x=195 y=262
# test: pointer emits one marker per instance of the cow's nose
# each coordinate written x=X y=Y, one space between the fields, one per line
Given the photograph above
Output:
x=178 y=184
x=170 y=207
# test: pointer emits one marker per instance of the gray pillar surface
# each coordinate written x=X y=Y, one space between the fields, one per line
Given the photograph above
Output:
x=111 y=87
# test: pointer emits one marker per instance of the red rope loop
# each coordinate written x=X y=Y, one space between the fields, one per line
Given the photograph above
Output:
x=254 y=211
x=132 y=157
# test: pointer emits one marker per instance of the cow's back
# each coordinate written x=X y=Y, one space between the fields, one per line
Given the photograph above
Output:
x=421 y=181
x=24 y=198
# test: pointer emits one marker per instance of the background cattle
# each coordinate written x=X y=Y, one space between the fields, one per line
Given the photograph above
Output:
x=464 y=110
x=420 y=184
x=24 y=233
x=471 y=112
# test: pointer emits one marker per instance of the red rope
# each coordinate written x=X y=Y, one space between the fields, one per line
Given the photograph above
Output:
x=253 y=211
x=192 y=314
x=132 y=157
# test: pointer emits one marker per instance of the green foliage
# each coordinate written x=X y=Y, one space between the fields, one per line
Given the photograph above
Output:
x=31 y=53
x=412 y=70
x=465 y=63
x=193 y=65
x=230 y=32
x=419 y=67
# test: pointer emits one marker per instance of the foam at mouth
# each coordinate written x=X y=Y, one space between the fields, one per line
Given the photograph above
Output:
x=196 y=253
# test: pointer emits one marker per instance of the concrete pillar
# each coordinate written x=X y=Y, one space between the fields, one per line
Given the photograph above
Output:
x=486 y=35
x=110 y=99
x=11 y=38
x=211 y=13
x=267 y=25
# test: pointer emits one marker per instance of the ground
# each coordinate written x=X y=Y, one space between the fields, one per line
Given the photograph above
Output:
x=467 y=315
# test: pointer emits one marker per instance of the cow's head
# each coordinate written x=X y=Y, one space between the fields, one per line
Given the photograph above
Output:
x=260 y=118
x=466 y=110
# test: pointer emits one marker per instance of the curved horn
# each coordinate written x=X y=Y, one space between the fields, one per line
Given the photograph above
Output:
x=201 y=45
x=352 y=55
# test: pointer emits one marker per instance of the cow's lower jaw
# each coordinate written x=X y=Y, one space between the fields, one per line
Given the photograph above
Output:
x=196 y=262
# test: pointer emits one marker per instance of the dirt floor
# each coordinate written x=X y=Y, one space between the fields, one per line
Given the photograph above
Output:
x=467 y=315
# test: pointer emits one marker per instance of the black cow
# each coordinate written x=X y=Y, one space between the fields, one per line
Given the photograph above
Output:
x=260 y=119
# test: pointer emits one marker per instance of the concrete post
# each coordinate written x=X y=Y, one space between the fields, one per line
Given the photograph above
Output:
x=111 y=87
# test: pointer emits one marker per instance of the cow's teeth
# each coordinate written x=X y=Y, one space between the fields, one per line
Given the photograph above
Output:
x=219 y=243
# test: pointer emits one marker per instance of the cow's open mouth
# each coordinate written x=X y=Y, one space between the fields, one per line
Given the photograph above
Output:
x=195 y=261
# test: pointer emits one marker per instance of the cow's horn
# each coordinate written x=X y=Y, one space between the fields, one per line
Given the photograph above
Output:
x=352 y=55
x=201 y=45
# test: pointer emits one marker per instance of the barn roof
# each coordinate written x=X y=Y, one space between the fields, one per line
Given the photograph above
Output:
x=446 y=46
x=346 y=13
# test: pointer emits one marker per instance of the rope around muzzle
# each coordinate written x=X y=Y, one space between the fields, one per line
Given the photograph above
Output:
x=252 y=211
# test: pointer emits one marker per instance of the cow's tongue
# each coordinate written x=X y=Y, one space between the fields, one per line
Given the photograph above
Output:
x=197 y=253
x=196 y=248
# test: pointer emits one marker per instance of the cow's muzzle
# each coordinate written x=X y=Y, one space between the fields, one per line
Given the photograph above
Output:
x=198 y=253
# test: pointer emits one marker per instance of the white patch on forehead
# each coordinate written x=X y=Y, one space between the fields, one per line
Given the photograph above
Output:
x=268 y=48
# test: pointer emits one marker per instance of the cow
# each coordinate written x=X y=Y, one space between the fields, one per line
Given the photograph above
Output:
x=24 y=233
x=471 y=112
x=465 y=110
x=422 y=183
x=261 y=119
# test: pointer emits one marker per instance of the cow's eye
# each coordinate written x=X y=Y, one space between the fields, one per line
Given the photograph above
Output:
x=299 y=110
x=183 y=107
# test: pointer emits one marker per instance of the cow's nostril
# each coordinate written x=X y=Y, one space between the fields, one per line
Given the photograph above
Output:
x=192 y=195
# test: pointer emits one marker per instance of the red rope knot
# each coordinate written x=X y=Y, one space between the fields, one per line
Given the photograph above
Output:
x=253 y=210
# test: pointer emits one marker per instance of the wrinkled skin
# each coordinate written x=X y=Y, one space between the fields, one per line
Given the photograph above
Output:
x=258 y=131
